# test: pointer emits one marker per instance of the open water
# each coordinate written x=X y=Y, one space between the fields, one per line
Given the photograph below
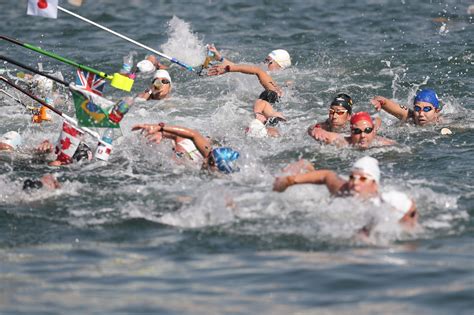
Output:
x=142 y=234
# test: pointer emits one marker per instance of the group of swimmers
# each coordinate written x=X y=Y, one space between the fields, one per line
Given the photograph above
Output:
x=343 y=127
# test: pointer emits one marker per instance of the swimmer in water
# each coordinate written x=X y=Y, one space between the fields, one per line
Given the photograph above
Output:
x=159 y=89
x=340 y=112
x=426 y=108
x=47 y=181
x=363 y=134
x=363 y=183
x=266 y=117
x=10 y=141
x=220 y=159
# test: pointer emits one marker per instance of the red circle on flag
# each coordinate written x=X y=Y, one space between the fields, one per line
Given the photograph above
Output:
x=42 y=4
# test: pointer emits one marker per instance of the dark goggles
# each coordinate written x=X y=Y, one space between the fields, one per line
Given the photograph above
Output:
x=163 y=81
x=358 y=131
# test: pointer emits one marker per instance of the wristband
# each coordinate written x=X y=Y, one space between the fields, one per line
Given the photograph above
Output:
x=149 y=91
x=162 y=125
x=222 y=59
x=227 y=68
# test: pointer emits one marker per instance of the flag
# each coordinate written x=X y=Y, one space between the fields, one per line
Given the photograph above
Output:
x=90 y=82
x=68 y=142
x=45 y=8
x=92 y=110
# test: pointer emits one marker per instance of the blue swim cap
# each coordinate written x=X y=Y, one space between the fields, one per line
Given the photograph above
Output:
x=428 y=96
x=224 y=158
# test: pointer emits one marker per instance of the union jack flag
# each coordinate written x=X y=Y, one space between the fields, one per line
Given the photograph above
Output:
x=90 y=82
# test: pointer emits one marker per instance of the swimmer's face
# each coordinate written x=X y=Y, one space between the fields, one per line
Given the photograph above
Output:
x=362 y=185
x=271 y=64
x=162 y=88
x=425 y=113
x=362 y=134
x=338 y=116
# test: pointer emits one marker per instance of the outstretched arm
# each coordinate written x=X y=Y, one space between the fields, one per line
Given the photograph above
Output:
x=265 y=79
x=326 y=177
x=391 y=107
x=201 y=142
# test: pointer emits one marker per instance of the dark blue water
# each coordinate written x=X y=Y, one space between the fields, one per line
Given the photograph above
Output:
x=141 y=234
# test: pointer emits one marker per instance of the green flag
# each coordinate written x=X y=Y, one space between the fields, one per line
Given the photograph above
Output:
x=92 y=110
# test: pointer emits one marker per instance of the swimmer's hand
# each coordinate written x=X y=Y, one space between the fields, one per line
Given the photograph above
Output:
x=44 y=147
x=378 y=102
x=321 y=135
x=149 y=129
x=217 y=70
x=213 y=49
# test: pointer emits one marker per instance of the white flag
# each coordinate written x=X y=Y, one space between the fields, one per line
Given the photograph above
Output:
x=46 y=8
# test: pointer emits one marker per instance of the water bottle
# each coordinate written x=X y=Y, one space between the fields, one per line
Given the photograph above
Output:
x=120 y=109
x=127 y=64
x=209 y=57
x=104 y=147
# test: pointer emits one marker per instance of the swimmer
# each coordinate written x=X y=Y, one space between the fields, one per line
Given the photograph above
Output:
x=340 y=112
x=266 y=118
x=363 y=134
x=363 y=183
x=159 y=89
x=220 y=159
x=10 y=141
x=426 y=108
x=47 y=181
x=278 y=59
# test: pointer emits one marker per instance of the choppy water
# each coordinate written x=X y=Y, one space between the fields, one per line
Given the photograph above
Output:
x=142 y=234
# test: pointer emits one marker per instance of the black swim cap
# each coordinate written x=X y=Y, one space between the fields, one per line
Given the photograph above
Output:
x=269 y=96
x=83 y=152
x=344 y=100
x=30 y=184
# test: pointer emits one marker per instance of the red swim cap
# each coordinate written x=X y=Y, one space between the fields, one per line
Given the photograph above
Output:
x=361 y=116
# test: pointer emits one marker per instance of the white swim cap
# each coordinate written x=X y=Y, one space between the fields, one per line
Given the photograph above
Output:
x=281 y=57
x=369 y=166
x=257 y=129
x=43 y=83
x=12 y=138
x=146 y=66
x=162 y=74
x=398 y=201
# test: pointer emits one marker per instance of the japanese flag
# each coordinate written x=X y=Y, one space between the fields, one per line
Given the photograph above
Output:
x=46 y=8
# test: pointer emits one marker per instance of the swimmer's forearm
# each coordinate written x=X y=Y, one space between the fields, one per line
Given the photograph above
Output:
x=265 y=79
x=395 y=109
x=201 y=143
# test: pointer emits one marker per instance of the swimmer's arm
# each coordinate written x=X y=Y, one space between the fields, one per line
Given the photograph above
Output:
x=265 y=79
x=201 y=142
x=319 y=177
x=328 y=136
x=266 y=109
x=385 y=141
x=391 y=107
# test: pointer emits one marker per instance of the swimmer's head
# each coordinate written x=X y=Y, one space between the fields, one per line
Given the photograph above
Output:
x=344 y=100
x=10 y=141
x=162 y=74
x=29 y=184
x=223 y=158
x=281 y=57
x=369 y=167
x=427 y=96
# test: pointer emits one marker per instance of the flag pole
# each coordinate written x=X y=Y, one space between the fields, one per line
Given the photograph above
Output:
x=57 y=111
x=116 y=80
x=173 y=60
x=19 y=64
